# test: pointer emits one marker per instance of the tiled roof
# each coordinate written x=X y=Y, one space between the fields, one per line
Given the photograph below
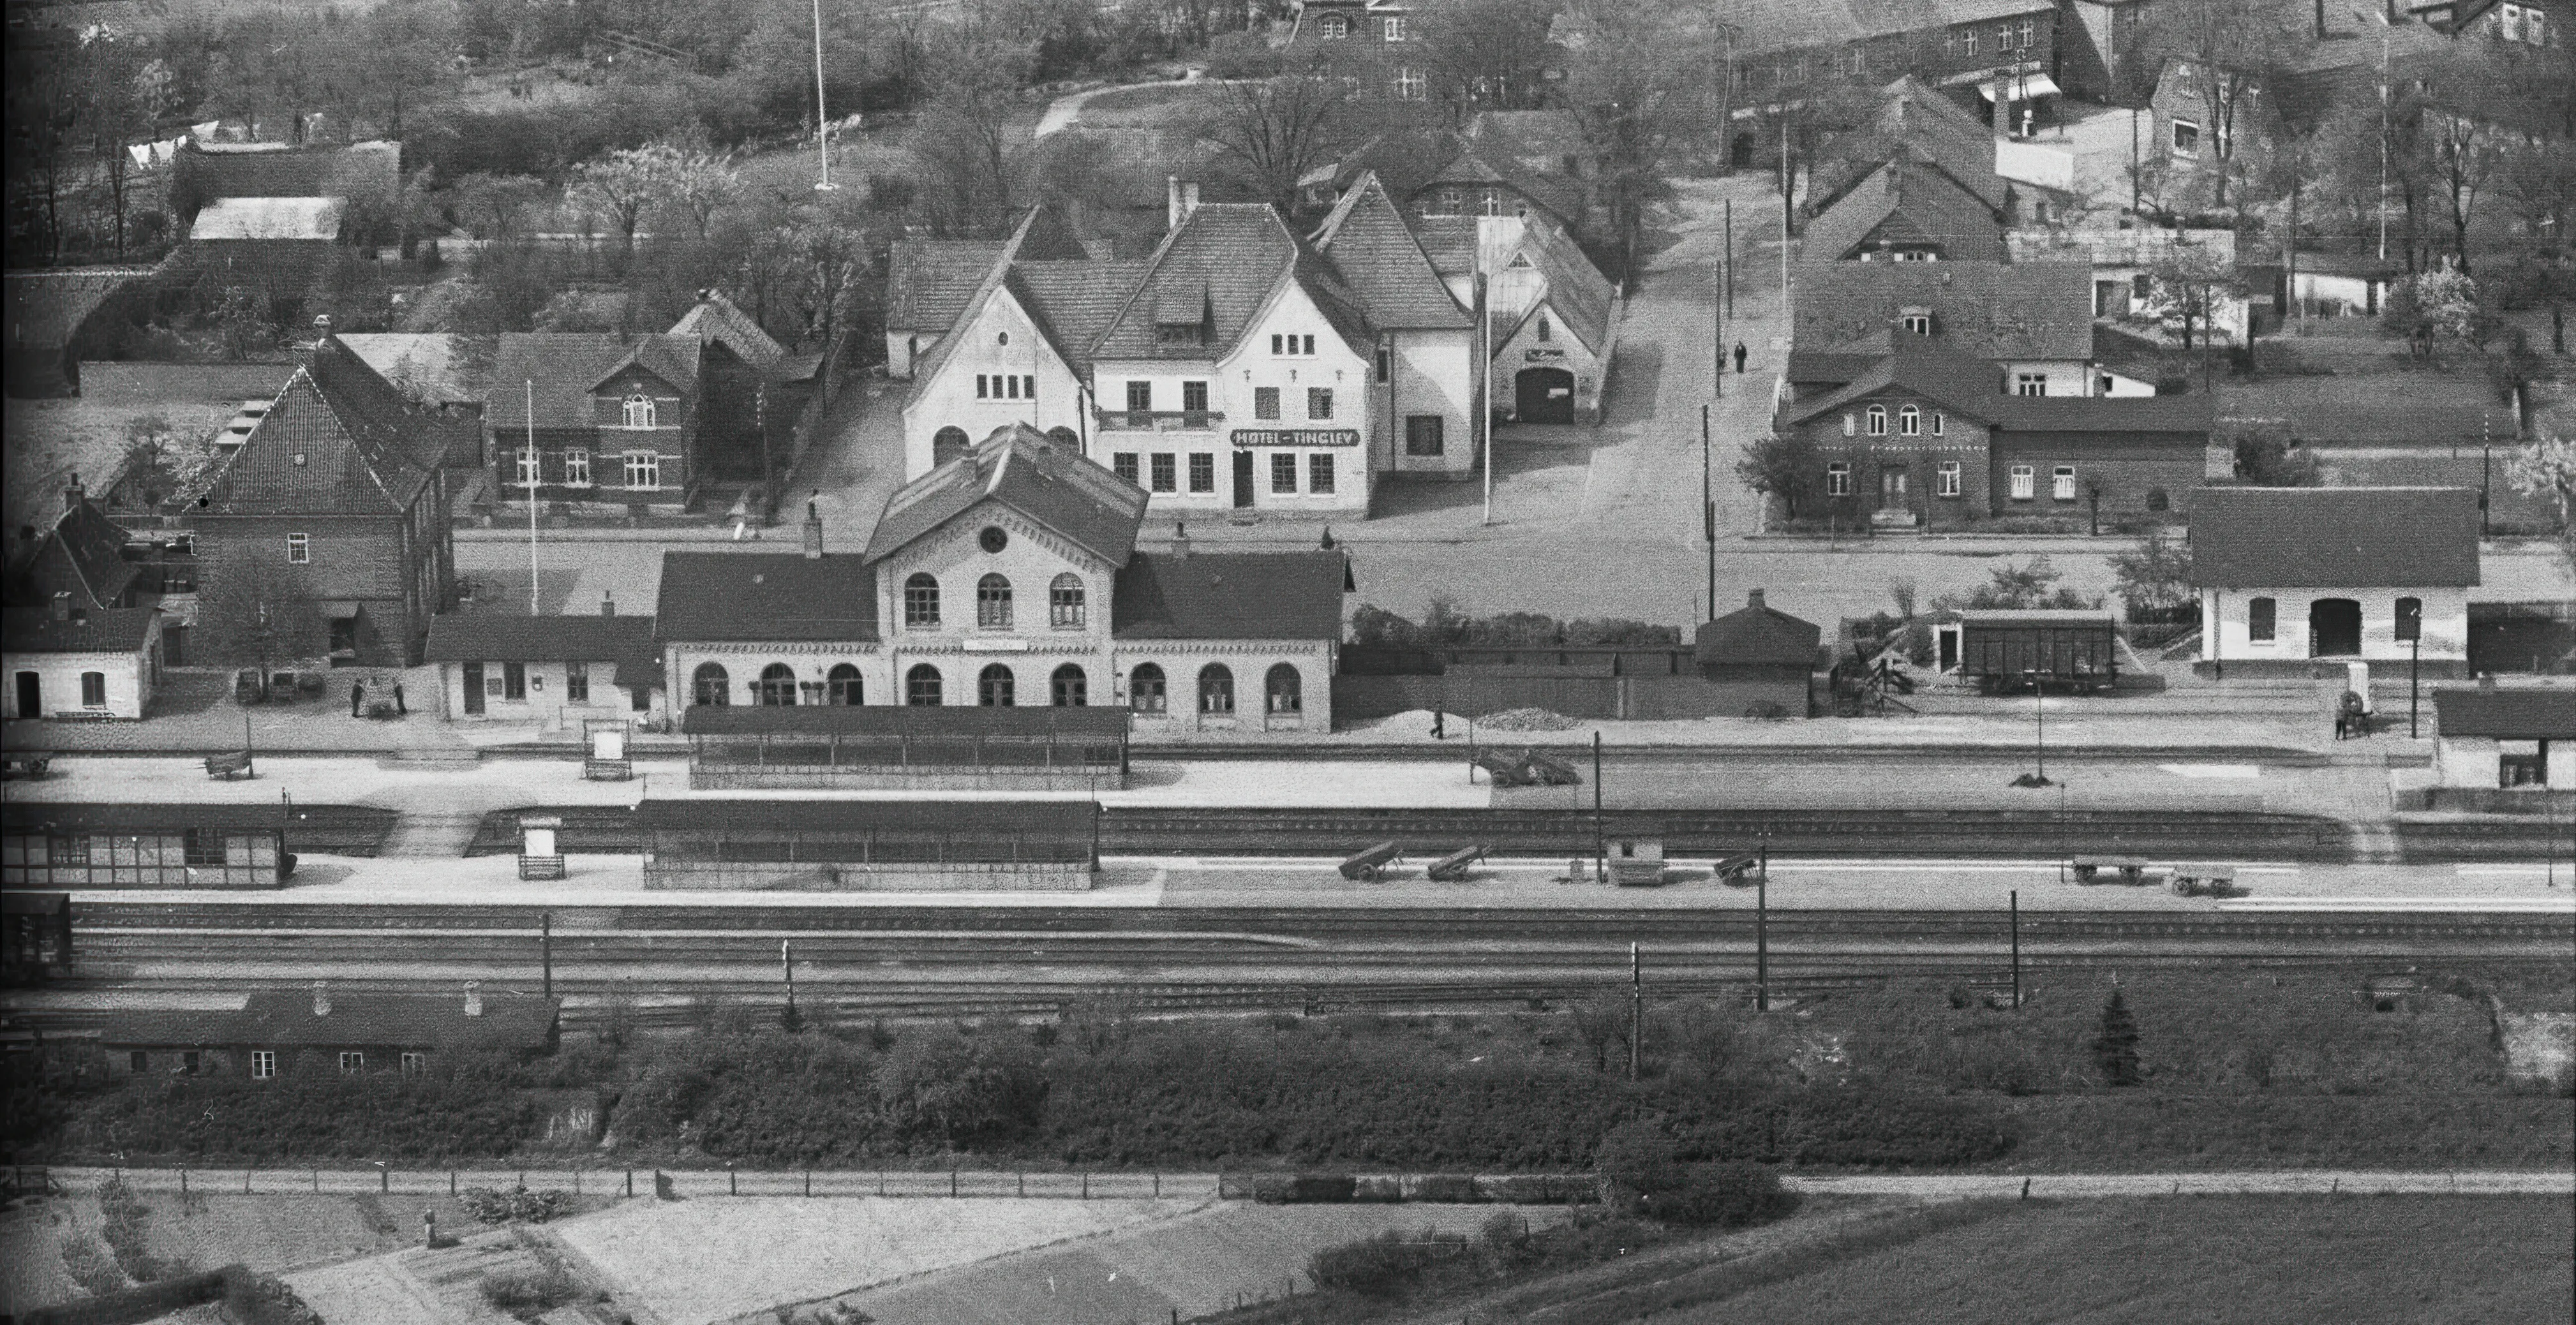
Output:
x=108 y=630
x=1449 y=241
x=1758 y=634
x=1028 y=472
x=708 y=596
x=286 y=1019
x=1553 y=135
x=1907 y=201
x=2196 y=412
x=1038 y=235
x=929 y=282
x=269 y=170
x=269 y=218
x=2512 y=713
x=2334 y=538
x=339 y=440
x=84 y=555
x=566 y=365
x=625 y=641
x=1992 y=310
x=1402 y=161
x=1231 y=596
x=1916 y=120
x=1235 y=253
x=1552 y=192
x=1784 y=25
x=441 y=369
x=1074 y=301
x=1923 y=366
x=1376 y=252
x=718 y=321
x=1580 y=294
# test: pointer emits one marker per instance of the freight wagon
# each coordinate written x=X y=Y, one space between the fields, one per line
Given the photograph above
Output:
x=2055 y=649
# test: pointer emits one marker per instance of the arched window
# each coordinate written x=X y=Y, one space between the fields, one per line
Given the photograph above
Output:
x=1216 y=689
x=1545 y=332
x=1878 y=420
x=1847 y=423
x=710 y=685
x=639 y=411
x=1065 y=607
x=1287 y=690
x=1333 y=27
x=1909 y=421
x=921 y=686
x=1069 y=688
x=993 y=603
x=777 y=686
x=947 y=444
x=841 y=685
x=996 y=688
x=1145 y=689
x=1936 y=423
x=921 y=602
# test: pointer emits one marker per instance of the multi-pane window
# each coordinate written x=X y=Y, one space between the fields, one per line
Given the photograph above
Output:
x=352 y=1062
x=2030 y=384
x=577 y=465
x=2061 y=483
x=1394 y=27
x=1333 y=27
x=2025 y=482
x=1123 y=464
x=1919 y=323
x=1423 y=434
x=921 y=687
x=2262 y=619
x=1877 y=420
x=1292 y=343
x=1838 y=480
x=530 y=464
x=263 y=1064
x=202 y=846
x=577 y=682
x=1410 y=85
x=1202 y=471
x=1909 y=422
x=67 y=850
x=1319 y=403
x=1265 y=402
x=1145 y=689
x=299 y=549
x=1166 y=472
x=639 y=411
x=1194 y=397
x=1283 y=472
x=993 y=603
x=414 y=1063
x=1140 y=397
x=1319 y=473
x=1067 y=608
x=1006 y=386
x=1945 y=479
x=1968 y=39
x=643 y=469
x=921 y=602
x=93 y=690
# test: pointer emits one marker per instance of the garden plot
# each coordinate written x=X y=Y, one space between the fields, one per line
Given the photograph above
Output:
x=711 y=1259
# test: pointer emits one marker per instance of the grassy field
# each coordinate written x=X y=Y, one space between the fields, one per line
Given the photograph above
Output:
x=2415 y=1260
x=2355 y=467
x=2389 y=407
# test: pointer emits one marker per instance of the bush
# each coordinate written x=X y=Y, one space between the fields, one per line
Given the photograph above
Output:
x=529 y=1290
x=1303 y=1188
x=515 y=1206
x=1382 y=1266
x=1445 y=1189
x=121 y=1223
x=2115 y=1046
x=1722 y=1196
x=407 y=1121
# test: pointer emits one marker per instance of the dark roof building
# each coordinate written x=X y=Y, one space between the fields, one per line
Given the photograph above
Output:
x=33 y=630
x=293 y=1026
x=1758 y=635
x=340 y=440
x=83 y=555
x=765 y=596
x=567 y=366
x=1906 y=207
x=1214 y=274
x=2033 y=312
x=624 y=642
x=2342 y=538
x=1025 y=471
x=1387 y=267
x=930 y=282
x=2506 y=713
x=1231 y=596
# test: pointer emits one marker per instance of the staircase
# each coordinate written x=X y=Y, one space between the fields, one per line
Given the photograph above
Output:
x=431 y=835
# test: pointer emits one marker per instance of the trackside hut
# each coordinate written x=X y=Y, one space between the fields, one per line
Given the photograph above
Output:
x=2505 y=747
x=1764 y=658
x=294 y=1033
x=2291 y=576
x=849 y=845
x=80 y=663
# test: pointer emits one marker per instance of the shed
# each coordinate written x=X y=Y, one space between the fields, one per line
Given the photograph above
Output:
x=2504 y=748
x=844 y=845
x=50 y=844
x=858 y=746
x=2004 y=648
x=290 y=1032
x=1763 y=652
x=1636 y=855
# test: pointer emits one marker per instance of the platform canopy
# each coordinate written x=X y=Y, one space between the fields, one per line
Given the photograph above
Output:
x=893 y=720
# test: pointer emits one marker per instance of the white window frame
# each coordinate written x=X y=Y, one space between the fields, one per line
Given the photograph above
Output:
x=640 y=411
x=299 y=549
x=1283 y=473
x=2025 y=482
x=414 y=1062
x=1936 y=423
x=1410 y=85
x=576 y=466
x=642 y=469
x=263 y=1064
x=2061 y=483
x=1909 y=421
x=1333 y=27
x=1918 y=323
x=1876 y=421
x=528 y=463
x=1393 y=28
x=2030 y=384
x=1838 y=481
x=352 y=1062
x=1946 y=480
x=2173 y=139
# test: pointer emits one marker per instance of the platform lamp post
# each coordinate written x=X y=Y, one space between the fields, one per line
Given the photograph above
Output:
x=1707 y=499
x=1600 y=840
x=1762 y=928
x=2413 y=624
x=2038 y=776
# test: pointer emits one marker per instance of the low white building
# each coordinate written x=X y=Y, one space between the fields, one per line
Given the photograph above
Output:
x=76 y=663
x=2292 y=578
x=2504 y=747
x=559 y=671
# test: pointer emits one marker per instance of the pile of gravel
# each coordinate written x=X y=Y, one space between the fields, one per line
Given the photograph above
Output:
x=1527 y=720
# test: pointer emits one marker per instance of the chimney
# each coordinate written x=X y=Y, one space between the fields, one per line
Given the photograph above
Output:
x=1180 y=540
x=321 y=332
x=321 y=999
x=62 y=605
x=1180 y=198
x=607 y=602
x=473 y=998
x=73 y=493
x=813 y=531
x=2321 y=19
x=1753 y=599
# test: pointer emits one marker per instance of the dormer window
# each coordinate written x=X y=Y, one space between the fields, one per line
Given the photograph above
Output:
x=639 y=411
x=1179 y=333
x=1916 y=320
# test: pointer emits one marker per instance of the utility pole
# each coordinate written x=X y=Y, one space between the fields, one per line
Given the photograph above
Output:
x=1729 y=270
x=1484 y=337
x=536 y=470
x=787 y=968
x=546 y=950
x=1600 y=842
x=1636 y=1008
x=1788 y=191
x=2415 y=674
x=1717 y=356
x=2016 y=946
x=822 y=121
x=1762 y=930
x=1708 y=507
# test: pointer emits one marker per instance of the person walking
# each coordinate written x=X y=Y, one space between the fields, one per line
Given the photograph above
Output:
x=1739 y=358
x=357 y=698
x=399 y=710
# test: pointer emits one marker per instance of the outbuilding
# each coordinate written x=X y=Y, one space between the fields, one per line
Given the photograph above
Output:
x=559 y=670
x=51 y=844
x=1765 y=657
x=2296 y=579
x=859 y=846
x=279 y=1033
x=2509 y=748
x=67 y=661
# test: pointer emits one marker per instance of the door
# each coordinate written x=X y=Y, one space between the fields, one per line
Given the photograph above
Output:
x=1543 y=395
x=473 y=689
x=1242 y=479
x=2334 y=628
x=31 y=696
x=1891 y=487
x=514 y=681
x=174 y=646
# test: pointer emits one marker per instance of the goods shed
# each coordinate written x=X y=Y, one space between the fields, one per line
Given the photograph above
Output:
x=75 y=846
x=853 y=747
x=858 y=846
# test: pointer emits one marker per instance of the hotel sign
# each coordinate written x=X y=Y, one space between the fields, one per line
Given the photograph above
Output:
x=1296 y=437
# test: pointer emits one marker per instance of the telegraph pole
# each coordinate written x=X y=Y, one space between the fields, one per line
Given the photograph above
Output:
x=1600 y=842
x=1729 y=270
x=1636 y=1008
x=1708 y=505
x=1762 y=931
x=2016 y=946
x=546 y=950
x=822 y=125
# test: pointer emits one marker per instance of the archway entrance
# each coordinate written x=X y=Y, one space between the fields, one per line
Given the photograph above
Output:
x=1543 y=395
x=2334 y=628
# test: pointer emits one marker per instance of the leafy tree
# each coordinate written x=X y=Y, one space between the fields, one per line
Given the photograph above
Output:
x=1490 y=56
x=622 y=184
x=2264 y=458
x=1637 y=83
x=1787 y=466
x=2547 y=467
x=2225 y=43
x=2020 y=586
x=2187 y=281
x=2115 y=1044
x=2153 y=578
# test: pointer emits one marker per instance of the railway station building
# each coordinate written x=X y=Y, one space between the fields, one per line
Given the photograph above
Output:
x=557 y=670
x=851 y=747
x=281 y=1033
x=1010 y=577
x=62 y=845
x=2294 y=580
x=863 y=846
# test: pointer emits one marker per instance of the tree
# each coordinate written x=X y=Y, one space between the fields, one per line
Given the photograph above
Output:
x=2115 y=1044
x=2264 y=458
x=2547 y=467
x=624 y=183
x=2467 y=135
x=1637 y=82
x=967 y=137
x=703 y=183
x=2154 y=578
x=1488 y=57
x=1277 y=129
x=2019 y=586
x=2221 y=48
x=1784 y=466
x=257 y=611
x=2187 y=281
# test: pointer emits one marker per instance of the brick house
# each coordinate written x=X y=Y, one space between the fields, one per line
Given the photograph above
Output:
x=616 y=420
x=2003 y=50
x=326 y=532
x=284 y=1034
x=1926 y=436
x=2032 y=321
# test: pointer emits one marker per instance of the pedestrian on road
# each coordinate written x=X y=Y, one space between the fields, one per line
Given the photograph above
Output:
x=399 y=710
x=357 y=696
x=1739 y=358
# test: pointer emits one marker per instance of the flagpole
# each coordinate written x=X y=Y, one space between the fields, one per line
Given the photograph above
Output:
x=822 y=126
x=536 y=470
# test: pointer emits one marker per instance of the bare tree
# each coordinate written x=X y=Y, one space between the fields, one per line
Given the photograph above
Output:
x=1491 y=56
x=968 y=137
x=2218 y=50
x=1637 y=81
x=624 y=183
x=1278 y=129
